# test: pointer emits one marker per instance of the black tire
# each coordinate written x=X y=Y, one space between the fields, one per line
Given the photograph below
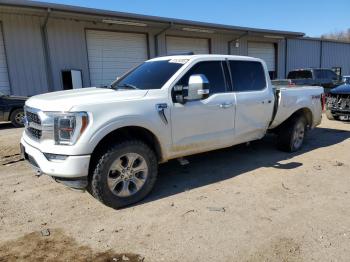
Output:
x=287 y=140
x=99 y=180
x=16 y=117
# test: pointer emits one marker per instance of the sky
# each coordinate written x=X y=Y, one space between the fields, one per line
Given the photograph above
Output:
x=311 y=17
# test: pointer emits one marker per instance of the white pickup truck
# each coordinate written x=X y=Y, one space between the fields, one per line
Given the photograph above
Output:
x=110 y=140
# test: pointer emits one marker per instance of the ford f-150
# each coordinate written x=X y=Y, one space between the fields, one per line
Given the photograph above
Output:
x=110 y=140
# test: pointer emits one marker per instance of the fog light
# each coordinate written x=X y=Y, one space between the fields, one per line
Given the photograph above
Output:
x=54 y=157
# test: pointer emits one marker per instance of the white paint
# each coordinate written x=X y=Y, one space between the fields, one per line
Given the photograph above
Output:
x=194 y=127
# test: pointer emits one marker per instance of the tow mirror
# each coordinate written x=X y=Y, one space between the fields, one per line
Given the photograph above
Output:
x=197 y=89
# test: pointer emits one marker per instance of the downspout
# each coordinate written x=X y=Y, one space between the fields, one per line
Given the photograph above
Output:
x=285 y=56
x=47 y=52
x=171 y=24
x=321 y=53
x=234 y=40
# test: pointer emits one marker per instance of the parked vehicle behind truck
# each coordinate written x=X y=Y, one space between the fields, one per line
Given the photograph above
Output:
x=11 y=109
x=338 y=103
x=326 y=78
x=111 y=140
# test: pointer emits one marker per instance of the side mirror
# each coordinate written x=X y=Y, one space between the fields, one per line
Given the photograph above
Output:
x=198 y=87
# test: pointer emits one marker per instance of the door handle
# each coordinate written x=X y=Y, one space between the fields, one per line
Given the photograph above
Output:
x=226 y=105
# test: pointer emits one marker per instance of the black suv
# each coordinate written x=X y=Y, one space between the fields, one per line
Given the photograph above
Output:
x=11 y=109
x=326 y=78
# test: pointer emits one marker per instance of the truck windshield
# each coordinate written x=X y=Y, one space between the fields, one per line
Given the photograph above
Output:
x=302 y=74
x=148 y=75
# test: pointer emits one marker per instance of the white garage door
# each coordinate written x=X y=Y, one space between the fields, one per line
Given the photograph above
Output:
x=264 y=51
x=111 y=54
x=4 y=78
x=178 y=45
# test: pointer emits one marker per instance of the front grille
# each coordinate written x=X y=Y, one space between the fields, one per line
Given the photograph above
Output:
x=33 y=123
x=338 y=102
x=33 y=117
x=36 y=133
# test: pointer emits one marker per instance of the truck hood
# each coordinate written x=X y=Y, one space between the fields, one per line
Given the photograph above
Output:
x=343 y=89
x=65 y=100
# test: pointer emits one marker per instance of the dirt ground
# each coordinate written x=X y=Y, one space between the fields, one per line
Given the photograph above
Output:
x=246 y=203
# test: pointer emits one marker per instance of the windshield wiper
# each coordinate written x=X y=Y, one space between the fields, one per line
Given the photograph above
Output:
x=127 y=86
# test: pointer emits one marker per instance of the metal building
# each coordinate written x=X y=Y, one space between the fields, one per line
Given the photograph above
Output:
x=47 y=47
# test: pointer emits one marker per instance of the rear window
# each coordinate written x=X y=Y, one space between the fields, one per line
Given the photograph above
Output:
x=247 y=76
x=300 y=74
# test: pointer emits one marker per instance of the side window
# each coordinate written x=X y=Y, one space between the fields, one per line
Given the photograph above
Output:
x=247 y=76
x=332 y=75
x=213 y=72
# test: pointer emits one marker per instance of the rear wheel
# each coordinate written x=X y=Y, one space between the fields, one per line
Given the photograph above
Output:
x=125 y=174
x=16 y=117
x=291 y=135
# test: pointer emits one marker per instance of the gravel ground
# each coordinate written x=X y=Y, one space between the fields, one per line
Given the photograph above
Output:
x=246 y=203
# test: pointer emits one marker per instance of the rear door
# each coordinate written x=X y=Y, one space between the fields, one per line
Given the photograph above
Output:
x=254 y=100
x=205 y=124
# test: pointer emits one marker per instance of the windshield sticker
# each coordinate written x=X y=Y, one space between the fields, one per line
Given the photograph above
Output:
x=178 y=61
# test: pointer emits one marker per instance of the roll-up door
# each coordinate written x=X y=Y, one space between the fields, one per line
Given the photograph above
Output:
x=111 y=54
x=178 y=45
x=264 y=51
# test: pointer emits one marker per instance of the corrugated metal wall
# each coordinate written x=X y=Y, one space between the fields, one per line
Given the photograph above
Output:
x=24 y=52
x=336 y=55
x=28 y=73
x=303 y=53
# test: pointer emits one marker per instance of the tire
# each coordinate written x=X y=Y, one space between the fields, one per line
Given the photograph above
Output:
x=16 y=117
x=124 y=174
x=291 y=136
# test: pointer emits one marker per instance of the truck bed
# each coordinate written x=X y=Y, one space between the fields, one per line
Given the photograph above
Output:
x=289 y=100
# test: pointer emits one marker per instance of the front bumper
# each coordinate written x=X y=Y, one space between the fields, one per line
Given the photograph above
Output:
x=72 y=168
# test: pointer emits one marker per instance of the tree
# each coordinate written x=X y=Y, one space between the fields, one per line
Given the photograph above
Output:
x=338 y=35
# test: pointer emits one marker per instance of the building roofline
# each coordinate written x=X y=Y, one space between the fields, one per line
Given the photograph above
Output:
x=100 y=12
x=325 y=40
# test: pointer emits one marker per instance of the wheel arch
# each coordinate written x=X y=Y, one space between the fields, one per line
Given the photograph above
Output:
x=124 y=133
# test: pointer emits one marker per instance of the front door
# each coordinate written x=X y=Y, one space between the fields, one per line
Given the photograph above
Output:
x=204 y=124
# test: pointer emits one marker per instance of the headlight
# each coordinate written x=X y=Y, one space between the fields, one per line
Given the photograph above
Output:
x=67 y=127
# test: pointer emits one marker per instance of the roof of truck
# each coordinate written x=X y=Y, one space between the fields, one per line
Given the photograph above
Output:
x=204 y=56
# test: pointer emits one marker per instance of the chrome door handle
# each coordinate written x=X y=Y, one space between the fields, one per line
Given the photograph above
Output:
x=226 y=105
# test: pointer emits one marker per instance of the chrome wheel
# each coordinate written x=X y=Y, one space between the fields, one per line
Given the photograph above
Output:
x=298 y=134
x=127 y=175
x=19 y=118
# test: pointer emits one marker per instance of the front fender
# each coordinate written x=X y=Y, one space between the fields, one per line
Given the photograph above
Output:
x=157 y=128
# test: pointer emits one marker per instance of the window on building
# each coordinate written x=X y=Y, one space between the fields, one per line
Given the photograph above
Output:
x=247 y=76
x=213 y=72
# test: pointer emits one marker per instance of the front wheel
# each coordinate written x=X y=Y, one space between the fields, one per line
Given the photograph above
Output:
x=291 y=136
x=125 y=174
